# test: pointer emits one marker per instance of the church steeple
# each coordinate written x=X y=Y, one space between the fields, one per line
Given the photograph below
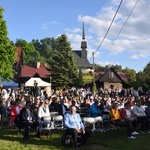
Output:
x=83 y=32
x=83 y=44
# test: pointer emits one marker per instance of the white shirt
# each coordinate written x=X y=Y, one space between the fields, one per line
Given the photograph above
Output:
x=139 y=111
x=128 y=112
x=41 y=112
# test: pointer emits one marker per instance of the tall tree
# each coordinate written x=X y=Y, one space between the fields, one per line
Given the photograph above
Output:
x=7 y=51
x=144 y=77
x=45 y=47
x=132 y=74
x=30 y=55
x=64 y=68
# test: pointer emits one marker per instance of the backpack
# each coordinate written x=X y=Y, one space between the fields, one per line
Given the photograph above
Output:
x=65 y=140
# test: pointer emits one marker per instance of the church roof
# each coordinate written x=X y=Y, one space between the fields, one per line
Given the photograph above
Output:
x=80 y=61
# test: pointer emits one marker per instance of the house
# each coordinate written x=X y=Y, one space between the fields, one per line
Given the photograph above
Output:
x=25 y=72
x=110 y=80
x=81 y=56
x=39 y=71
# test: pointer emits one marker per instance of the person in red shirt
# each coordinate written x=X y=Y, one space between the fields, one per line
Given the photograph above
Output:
x=15 y=109
x=128 y=116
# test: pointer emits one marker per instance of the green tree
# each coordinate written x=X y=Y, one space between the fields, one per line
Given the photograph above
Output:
x=132 y=74
x=64 y=69
x=7 y=51
x=144 y=77
x=80 y=77
x=30 y=55
x=45 y=47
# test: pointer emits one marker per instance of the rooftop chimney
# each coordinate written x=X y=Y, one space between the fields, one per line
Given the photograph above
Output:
x=38 y=64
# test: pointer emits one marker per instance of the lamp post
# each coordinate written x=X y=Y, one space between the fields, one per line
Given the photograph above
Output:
x=93 y=73
x=50 y=80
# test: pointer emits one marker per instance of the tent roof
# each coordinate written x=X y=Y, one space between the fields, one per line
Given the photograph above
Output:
x=9 y=84
x=40 y=82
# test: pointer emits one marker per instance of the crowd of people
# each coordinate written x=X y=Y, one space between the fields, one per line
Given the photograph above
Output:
x=127 y=108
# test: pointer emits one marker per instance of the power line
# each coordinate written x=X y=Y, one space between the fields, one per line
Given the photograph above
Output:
x=121 y=29
x=109 y=26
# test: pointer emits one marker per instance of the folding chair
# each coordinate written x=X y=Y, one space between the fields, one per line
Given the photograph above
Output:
x=58 y=124
x=49 y=125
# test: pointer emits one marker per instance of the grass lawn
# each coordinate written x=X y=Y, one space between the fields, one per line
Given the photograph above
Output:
x=110 y=140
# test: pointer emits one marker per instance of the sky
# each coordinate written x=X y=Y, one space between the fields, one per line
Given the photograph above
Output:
x=127 y=42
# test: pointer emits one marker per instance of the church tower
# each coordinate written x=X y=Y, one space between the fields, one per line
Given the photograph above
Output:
x=83 y=44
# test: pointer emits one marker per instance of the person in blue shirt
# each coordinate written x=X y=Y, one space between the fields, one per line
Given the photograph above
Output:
x=74 y=127
x=95 y=111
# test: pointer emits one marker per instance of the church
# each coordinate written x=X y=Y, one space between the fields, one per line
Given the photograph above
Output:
x=81 y=56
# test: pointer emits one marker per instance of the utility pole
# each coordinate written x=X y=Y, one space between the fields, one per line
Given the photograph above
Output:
x=93 y=60
x=93 y=71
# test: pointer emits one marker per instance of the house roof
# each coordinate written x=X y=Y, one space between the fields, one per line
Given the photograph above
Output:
x=123 y=76
x=109 y=76
x=28 y=71
x=81 y=62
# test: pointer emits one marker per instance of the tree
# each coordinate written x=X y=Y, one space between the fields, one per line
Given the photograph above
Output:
x=80 y=77
x=64 y=69
x=144 y=77
x=132 y=74
x=30 y=55
x=7 y=51
x=45 y=47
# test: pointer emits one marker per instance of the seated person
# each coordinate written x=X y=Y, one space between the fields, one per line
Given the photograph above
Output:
x=43 y=111
x=15 y=109
x=55 y=103
x=74 y=103
x=95 y=110
x=147 y=110
x=141 y=117
x=118 y=121
x=75 y=127
x=27 y=119
x=2 y=111
x=62 y=108
x=96 y=113
x=127 y=115
x=86 y=102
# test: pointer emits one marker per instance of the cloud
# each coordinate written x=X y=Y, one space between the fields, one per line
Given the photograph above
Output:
x=101 y=63
x=134 y=57
x=133 y=39
x=46 y=26
x=142 y=54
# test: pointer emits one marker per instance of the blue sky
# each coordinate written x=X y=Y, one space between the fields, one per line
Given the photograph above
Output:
x=38 y=19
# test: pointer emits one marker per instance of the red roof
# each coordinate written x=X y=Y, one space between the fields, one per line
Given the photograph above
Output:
x=124 y=76
x=28 y=71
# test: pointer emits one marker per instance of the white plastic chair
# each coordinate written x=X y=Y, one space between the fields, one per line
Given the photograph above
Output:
x=93 y=121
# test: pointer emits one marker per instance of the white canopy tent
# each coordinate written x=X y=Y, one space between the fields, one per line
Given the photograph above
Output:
x=40 y=82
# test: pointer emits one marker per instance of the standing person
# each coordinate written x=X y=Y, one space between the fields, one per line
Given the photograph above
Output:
x=36 y=90
x=75 y=127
